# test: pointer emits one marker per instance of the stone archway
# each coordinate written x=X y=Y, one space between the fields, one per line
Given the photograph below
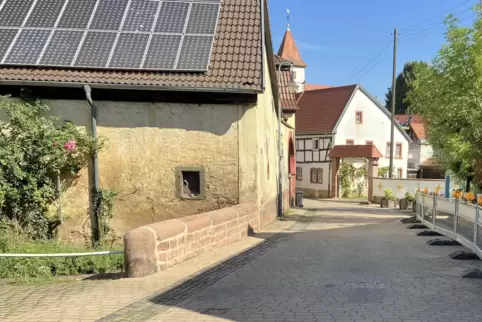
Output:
x=291 y=169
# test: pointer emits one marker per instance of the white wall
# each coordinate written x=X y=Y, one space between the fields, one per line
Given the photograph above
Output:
x=402 y=186
x=419 y=152
x=375 y=127
x=305 y=182
x=300 y=78
x=312 y=156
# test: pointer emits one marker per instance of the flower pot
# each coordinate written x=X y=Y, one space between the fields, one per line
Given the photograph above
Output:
x=403 y=204
x=386 y=203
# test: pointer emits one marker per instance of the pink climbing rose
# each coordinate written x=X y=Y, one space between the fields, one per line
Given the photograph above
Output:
x=70 y=145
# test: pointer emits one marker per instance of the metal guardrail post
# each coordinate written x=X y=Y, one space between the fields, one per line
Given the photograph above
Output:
x=456 y=215
x=422 y=209
x=476 y=223
x=434 y=210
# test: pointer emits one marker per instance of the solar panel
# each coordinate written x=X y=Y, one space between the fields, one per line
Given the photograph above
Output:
x=203 y=18
x=96 y=49
x=45 y=13
x=195 y=52
x=28 y=47
x=77 y=14
x=159 y=35
x=141 y=15
x=129 y=50
x=109 y=14
x=172 y=17
x=62 y=48
x=6 y=38
x=14 y=12
x=168 y=45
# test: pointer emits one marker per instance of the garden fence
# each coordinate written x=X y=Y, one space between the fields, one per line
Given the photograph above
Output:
x=452 y=218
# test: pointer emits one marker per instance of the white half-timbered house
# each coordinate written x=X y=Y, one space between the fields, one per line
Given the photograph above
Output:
x=345 y=115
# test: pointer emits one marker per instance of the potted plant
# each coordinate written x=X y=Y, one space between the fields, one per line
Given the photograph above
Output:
x=388 y=200
x=407 y=201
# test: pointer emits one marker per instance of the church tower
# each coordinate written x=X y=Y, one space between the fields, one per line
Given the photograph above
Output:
x=289 y=51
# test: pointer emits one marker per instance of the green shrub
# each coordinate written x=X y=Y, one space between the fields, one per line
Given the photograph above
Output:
x=388 y=194
x=409 y=197
x=25 y=269
x=34 y=150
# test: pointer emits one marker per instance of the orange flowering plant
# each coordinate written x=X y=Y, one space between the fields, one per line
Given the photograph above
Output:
x=479 y=200
x=469 y=196
x=456 y=194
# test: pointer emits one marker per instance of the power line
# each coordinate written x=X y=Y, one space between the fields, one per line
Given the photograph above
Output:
x=373 y=67
x=355 y=72
x=437 y=16
x=432 y=26
x=410 y=37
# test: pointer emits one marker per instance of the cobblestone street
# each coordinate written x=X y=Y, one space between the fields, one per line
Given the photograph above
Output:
x=338 y=262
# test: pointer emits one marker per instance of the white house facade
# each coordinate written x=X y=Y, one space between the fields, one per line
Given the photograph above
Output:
x=420 y=152
x=339 y=116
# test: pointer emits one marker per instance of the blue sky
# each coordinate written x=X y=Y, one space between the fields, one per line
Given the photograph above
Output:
x=340 y=40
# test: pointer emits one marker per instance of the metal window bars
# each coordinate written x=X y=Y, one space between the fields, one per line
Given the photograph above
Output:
x=452 y=218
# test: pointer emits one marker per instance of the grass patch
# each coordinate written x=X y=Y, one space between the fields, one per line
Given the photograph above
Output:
x=26 y=269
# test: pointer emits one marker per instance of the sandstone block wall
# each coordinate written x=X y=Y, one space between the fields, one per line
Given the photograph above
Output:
x=149 y=249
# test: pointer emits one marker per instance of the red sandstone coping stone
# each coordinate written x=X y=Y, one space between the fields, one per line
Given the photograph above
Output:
x=222 y=216
x=246 y=209
x=140 y=252
x=196 y=222
x=168 y=229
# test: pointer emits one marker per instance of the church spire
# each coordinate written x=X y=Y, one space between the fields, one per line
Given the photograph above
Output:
x=288 y=49
x=288 y=19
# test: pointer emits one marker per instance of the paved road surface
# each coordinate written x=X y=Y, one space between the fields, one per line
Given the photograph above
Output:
x=340 y=262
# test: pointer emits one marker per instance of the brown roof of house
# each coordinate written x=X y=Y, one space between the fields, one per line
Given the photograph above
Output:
x=312 y=87
x=320 y=109
x=235 y=60
x=288 y=98
x=288 y=50
x=355 y=151
x=417 y=124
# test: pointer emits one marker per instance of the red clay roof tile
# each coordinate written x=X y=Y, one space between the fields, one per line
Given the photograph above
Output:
x=417 y=124
x=355 y=151
x=311 y=87
x=319 y=110
x=288 y=50
x=235 y=60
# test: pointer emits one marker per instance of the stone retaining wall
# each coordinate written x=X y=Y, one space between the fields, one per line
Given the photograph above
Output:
x=149 y=249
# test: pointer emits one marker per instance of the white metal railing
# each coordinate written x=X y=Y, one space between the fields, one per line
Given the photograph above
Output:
x=452 y=218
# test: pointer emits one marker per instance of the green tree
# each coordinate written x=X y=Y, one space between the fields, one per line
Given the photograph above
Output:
x=448 y=94
x=404 y=79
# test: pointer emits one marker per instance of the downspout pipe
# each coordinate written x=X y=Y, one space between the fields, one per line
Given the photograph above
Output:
x=280 y=145
x=95 y=162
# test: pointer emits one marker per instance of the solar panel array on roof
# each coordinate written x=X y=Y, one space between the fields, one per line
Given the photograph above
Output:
x=158 y=35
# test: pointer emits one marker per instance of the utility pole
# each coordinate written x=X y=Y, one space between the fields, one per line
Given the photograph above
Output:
x=394 y=85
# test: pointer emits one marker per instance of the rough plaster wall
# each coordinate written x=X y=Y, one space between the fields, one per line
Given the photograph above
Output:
x=145 y=143
x=248 y=155
x=268 y=164
x=414 y=154
x=426 y=152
